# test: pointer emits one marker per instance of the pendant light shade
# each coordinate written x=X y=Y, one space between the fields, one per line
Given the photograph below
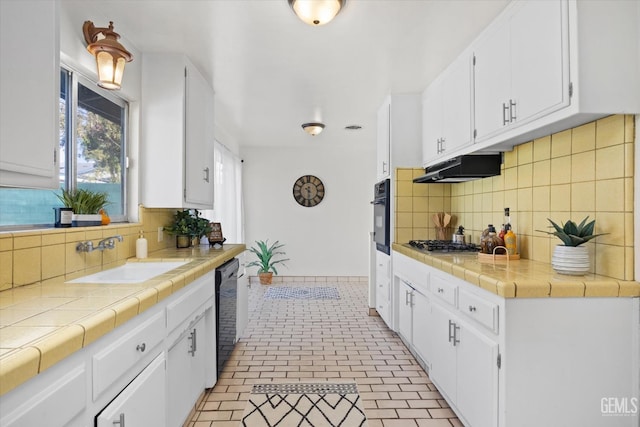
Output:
x=110 y=55
x=313 y=129
x=316 y=12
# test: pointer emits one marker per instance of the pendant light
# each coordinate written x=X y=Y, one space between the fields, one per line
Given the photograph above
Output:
x=313 y=129
x=110 y=55
x=316 y=12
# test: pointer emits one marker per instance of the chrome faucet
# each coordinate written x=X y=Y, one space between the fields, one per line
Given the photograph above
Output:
x=107 y=243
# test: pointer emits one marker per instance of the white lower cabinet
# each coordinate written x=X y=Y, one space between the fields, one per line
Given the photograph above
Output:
x=464 y=366
x=405 y=313
x=138 y=404
x=421 y=338
x=186 y=372
x=117 y=359
x=56 y=404
x=383 y=287
x=491 y=357
x=148 y=371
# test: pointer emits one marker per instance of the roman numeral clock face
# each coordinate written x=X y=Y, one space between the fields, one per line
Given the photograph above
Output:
x=308 y=191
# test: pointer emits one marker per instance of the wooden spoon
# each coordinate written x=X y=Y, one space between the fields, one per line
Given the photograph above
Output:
x=447 y=220
x=436 y=219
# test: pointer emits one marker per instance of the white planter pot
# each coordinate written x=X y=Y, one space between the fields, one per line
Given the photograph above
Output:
x=572 y=260
x=84 y=220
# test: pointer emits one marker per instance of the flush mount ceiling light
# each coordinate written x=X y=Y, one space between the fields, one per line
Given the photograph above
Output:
x=313 y=129
x=110 y=55
x=316 y=12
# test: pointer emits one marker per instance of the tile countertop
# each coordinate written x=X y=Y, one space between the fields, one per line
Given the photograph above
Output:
x=521 y=278
x=41 y=324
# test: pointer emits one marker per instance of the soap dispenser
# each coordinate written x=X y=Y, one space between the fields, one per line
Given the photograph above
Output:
x=141 y=246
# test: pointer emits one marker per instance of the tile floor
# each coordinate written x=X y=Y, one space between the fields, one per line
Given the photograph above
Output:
x=325 y=340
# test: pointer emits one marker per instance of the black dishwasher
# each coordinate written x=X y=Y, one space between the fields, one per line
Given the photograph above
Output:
x=226 y=306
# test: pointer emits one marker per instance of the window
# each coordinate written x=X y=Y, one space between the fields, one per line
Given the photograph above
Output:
x=227 y=193
x=93 y=128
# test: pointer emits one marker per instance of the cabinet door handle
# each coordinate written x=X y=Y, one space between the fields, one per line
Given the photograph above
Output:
x=193 y=339
x=205 y=173
x=384 y=167
x=451 y=331
x=456 y=328
x=505 y=108
x=141 y=347
x=119 y=422
x=512 y=110
x=442 y=146
x=472 y=308
x=440 y=290
x=406 y=298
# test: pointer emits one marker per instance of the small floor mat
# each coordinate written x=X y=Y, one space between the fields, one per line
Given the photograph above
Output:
x=304 y=405
x=315 y=292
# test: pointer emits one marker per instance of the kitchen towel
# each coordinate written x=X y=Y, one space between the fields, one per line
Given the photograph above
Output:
x=286 y=292
x=304 y=405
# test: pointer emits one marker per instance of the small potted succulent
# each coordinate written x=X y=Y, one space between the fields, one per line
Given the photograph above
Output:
x=571 y=257
x=266 y=263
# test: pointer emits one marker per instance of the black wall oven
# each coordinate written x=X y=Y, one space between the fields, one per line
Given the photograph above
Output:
x=382 y=216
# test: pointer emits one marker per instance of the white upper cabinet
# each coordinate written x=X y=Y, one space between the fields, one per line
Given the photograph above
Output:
x=177 y=134
x=399 y=133
x=383 y=161
x=521 y=67
x=30 y=87
x=446 y=111
x=540 y=67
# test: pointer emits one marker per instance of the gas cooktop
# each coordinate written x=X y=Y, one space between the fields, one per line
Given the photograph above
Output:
x=443 y=246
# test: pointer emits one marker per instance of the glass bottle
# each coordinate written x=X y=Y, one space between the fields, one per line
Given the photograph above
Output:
x=490 y=241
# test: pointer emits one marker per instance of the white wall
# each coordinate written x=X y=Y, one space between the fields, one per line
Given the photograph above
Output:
x=330 y=239
x=74 y=54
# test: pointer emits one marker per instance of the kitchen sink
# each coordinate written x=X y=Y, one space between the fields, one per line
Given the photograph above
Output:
x=134 y=272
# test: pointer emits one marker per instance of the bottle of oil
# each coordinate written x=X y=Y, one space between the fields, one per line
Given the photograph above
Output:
x=510 y=241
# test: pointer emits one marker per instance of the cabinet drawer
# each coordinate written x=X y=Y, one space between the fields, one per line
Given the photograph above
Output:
x=479 y=309
x=115 y=360
x=54 y=405
x=444 y=289
x=198 y=293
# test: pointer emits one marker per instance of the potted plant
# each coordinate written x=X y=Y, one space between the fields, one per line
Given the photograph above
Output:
x=85 y=204
x=187 y=226
x=183 y=227
x=266 y=263
x=570 y=257
x=201 y=226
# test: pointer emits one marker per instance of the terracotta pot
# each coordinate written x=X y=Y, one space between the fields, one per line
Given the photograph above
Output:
x=183 y=241
x=265 y=278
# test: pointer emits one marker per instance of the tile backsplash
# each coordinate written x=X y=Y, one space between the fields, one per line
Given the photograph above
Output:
x=579 y=172
x=39 y=255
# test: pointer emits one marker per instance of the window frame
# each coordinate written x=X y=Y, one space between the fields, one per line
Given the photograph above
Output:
x=79 y=78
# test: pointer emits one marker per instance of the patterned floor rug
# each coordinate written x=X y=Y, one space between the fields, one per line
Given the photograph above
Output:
x=285 y=292
x=304 y=405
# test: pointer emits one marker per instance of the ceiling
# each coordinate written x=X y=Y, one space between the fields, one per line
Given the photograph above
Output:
x=271 y=72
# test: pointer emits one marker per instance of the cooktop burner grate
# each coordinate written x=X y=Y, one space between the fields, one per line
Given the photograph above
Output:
x=444 y=246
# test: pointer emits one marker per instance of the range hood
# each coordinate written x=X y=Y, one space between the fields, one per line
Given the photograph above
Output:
x=462 y=168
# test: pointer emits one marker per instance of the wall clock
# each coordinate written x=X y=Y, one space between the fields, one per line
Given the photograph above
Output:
x=308 y=190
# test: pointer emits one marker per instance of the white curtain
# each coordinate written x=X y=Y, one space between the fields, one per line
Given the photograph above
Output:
x=227 y=196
